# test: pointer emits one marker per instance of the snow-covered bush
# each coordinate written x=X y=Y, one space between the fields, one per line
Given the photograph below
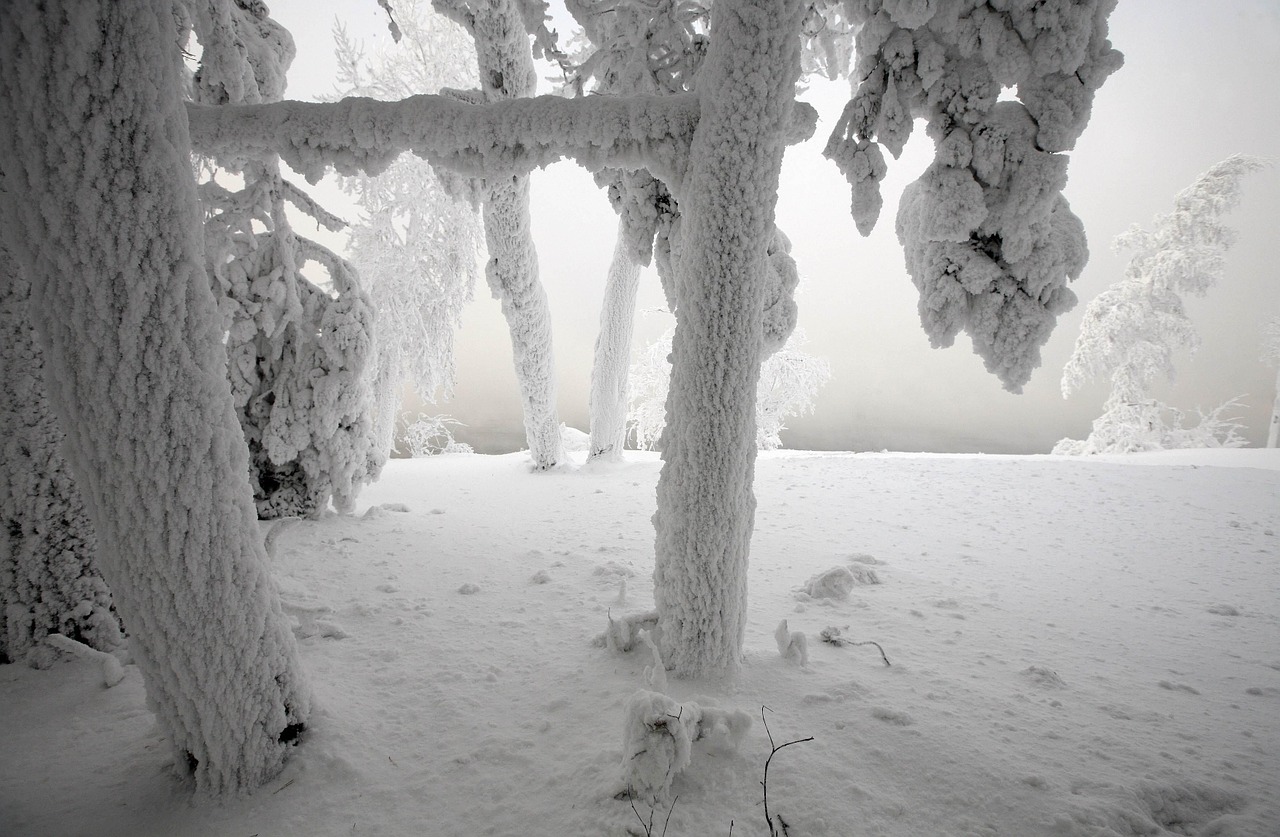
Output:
x=298 y=353
x=432 y=435
x=659 y=734
x=1151 y=425
x=789 y=383
x=49 y=579
x=1132 y=330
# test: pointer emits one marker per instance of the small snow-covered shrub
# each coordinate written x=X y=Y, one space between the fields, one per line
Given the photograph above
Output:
x=431 y=435
x=792 y=645
x=1152 y=425
x=658 y=738
x=622 y=634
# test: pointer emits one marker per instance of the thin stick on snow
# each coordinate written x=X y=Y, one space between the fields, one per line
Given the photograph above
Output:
x=765 y=784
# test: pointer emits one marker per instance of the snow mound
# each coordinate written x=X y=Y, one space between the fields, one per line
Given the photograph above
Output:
x=837 y=582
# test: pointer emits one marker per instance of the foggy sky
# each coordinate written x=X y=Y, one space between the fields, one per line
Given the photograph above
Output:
x=1197 y=86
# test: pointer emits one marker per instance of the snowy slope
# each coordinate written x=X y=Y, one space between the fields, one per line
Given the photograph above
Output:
x=1078 y=647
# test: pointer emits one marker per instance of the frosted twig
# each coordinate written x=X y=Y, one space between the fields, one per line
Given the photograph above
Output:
x=765 y=784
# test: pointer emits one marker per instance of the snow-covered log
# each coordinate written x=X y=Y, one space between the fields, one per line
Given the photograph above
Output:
x=100 y=211
x=706 y=506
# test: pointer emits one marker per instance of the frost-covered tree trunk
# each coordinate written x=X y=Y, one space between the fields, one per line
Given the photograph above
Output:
x=99 y=209
x=49 y=579
x=706 y=506
x=507 y=72
x=1273 y=433
x=608 y=399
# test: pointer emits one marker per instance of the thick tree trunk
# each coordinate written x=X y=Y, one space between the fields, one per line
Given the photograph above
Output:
x=608 y=399
x=705 y=503
x=99 y=208
x=49 y=579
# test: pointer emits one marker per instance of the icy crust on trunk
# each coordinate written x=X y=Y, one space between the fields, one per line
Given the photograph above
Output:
x=506 y=73
x=100 y=212
x=609 y=372
x=989 y=239
x=705 y=502
x=49 y=579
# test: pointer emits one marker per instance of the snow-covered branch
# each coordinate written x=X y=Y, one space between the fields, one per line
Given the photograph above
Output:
x=509 y=137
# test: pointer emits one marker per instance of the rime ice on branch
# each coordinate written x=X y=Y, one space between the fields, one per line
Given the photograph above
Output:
x=99 y=210
x=990 y=241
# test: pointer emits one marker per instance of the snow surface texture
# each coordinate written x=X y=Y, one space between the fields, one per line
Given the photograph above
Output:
x=49 y=579
x=990 y=242
x=1025 y=696
x=1132 y=330
x=109 y=234
x=705 y=503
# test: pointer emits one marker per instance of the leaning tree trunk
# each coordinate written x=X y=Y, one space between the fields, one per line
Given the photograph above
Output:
x=705 y=502
x=49 y=579
x=99 y=208
x=507 y=72
x=608 y=400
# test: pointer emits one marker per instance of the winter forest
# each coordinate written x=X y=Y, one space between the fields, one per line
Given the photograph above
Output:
x=479 y=417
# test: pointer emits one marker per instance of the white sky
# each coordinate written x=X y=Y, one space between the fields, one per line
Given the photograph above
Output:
x=1197 y=86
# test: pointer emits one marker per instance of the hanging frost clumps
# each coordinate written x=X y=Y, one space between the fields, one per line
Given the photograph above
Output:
x=297 y=352
x=49 y=579
x=418 y=247
x=990 y=241
x=1133 y=329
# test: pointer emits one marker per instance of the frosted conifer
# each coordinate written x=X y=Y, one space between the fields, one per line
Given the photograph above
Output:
x=1132 y=330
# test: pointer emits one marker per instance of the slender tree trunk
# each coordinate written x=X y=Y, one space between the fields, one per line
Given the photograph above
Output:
x=1273 y=434
x=49 y=579
x=608 y=401
x=507 y=72
x=99 y=209
x=705 y=503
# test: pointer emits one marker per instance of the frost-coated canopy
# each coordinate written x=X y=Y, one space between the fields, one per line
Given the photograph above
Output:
x=990 y=241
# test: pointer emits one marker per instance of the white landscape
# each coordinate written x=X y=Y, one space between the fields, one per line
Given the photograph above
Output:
x=1079 y=647
x=227 y=611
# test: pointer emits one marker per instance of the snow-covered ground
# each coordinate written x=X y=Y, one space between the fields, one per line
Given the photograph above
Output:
x=1078 y=647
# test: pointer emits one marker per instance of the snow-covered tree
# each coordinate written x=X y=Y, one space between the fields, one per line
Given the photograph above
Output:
x=49 y=579
x=718 y=149
x=789 y=381
x=501 y=30
x=990 y=241
x=417 y=246
x=298 y=353
x=99 y=210
x=1271 y=355
x=1132 y=330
